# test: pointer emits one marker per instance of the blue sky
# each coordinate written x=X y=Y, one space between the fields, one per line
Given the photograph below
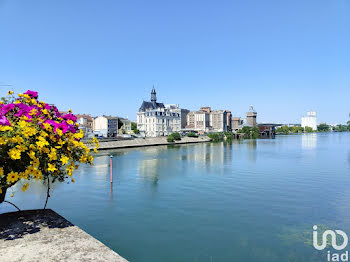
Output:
x=102 y=57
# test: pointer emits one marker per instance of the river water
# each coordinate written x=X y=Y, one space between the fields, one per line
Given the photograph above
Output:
x=252 y=200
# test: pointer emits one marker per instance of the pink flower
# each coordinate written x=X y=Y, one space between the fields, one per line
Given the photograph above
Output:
x=4 y=121
x=7 y=108
x=70 y=117
x=32 y=94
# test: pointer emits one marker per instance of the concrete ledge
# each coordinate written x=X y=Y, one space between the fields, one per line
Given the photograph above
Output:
x=43 y=235
x=150 y=141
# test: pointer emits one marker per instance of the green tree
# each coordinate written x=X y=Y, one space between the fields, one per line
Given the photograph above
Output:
x=250 y=132
x=136 y=131
x=340 y=128
x=229 y=136
x=133 y=126
x=323 y=127
x=308 y=129
x=297 y=129
x=283 y=129
x=120 y=123
x=216 y=137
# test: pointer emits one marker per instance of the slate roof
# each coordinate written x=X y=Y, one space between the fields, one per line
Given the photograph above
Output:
x=149 y=105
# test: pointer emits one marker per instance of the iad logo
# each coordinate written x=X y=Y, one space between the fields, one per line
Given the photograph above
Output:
x=333 y=239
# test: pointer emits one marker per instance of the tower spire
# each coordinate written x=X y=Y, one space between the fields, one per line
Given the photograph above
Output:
x=153 y=95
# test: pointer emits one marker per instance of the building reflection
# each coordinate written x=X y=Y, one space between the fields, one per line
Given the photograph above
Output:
x=160 y=163
x=208 y=155
x=309 y=141
x=251 y=148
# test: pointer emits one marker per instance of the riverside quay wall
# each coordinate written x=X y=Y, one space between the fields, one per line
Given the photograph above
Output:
x=151 y=141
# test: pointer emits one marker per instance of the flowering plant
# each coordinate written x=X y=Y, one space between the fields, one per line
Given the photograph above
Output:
x=38 y=142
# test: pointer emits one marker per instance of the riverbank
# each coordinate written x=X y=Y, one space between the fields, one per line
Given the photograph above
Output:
x=150 y=141
x=43 y=235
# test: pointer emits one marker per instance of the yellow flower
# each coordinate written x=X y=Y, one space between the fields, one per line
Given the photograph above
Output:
x=52 y=155
x=52 y=167
x=45 y=112
x=79 y=135
x=83 y=159
x=31 y=154
x=36 y=162
x=33 y=112
x=25 y=187
x=91 y=159
x=0 y=190
x=42 y=142
x=70 y=170
x=73 y=181
x=21 y=147
x=29 y=131
x=47 y=126
x=6 y=128
x=9 y=93
x=37 y=175
x=17 y=139
x=59 y=132
x=70 y=122
x=95 y=150
x=3 y=141
x=45 y=150
x=23 y=175
x=14 y=153
x=1 y=171
x=24 y=118
x=44 y=134
x=64 y=160
x=22 y=124
x=61 y=143
x=12 y=177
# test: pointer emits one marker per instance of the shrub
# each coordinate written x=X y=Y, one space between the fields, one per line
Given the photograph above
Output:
x=191 y=134
x=170 y=139
x=176 y=136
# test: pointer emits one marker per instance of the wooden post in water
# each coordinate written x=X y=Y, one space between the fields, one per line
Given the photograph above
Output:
x=111 y=167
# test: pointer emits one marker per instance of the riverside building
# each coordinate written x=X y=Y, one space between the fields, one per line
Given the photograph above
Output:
x=309 y=120
x=206 y=120
x=156 y=119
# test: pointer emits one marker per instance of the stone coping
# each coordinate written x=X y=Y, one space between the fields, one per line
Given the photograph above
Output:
x=44 y=235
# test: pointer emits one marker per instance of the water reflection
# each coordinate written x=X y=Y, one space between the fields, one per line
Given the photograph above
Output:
x=207 y=155
x=309 y=141
x=170 y=161
x=251 y=146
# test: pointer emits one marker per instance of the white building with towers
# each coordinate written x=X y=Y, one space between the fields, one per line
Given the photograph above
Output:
x=309 y=120
x=156 y=119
